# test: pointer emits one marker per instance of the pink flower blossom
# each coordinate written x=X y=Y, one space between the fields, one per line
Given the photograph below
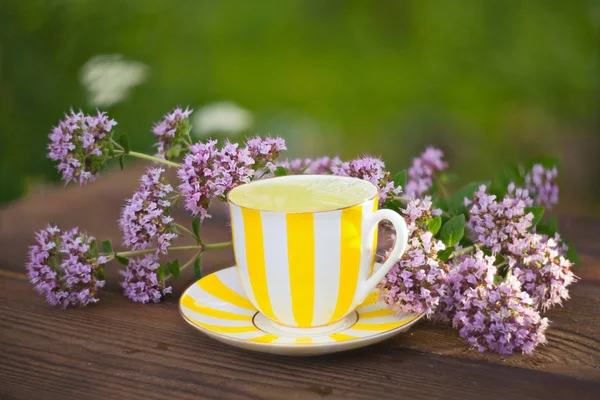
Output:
x=65 y=267
x=416 y=283
x=141 y=283
x=146 y=218
x=171 y=132
x=541 y=184
x=80 y=144
x=370 y=169
x=424 y=167
x=500 y=318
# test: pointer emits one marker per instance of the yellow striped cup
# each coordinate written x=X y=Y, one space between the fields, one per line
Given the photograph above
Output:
x=311 y=269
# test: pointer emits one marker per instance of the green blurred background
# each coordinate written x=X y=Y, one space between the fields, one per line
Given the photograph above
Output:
x=488 y=81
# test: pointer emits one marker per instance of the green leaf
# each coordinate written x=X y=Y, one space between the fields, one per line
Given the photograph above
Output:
x=393 y=204
x=281 y=171
x=173 y=152
x=547 y=227
x=401 y=178
x=121 y=163
x=160 y=271
x=499 y=259
x=498 y=279
x=196 y=227
x=486 y=251
x=198 y=267
x=122 y=260
x=456 y=203
x=124 y=142
x=107 y=246
x=184 y=128
x=174 y=268
x=439 y=202
x=101 y=274
x=434 y=224
x=94 y=248
x=466 y=242
x=572 y=254
x=445 y=254
x=538 y=214
x=453 y=230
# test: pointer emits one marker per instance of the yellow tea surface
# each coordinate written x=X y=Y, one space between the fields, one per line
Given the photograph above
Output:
x=309 y=193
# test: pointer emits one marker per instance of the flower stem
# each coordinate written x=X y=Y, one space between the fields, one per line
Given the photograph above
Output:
x=183 y=228
x=152 y=158
x=213 y=246
x=463 y=251
x=200 y=247
x=402 y=198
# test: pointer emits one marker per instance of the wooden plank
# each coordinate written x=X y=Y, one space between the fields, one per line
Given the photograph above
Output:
x=120 y=349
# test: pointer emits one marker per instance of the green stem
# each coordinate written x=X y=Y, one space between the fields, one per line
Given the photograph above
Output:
x=213 y=246
x=200 y=247
x=463 y=251
x=117 y=144
x=402 y=198
x=185 y=229
x=148 y=251
x=152 y=158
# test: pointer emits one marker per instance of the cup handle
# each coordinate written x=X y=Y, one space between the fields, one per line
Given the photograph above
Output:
x=366 y=287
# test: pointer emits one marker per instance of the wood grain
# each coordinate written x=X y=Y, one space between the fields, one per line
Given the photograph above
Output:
x=118 y=349
x=149 y=352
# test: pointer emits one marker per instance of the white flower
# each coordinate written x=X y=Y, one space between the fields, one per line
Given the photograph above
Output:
x=221 y=117
x=108 y=78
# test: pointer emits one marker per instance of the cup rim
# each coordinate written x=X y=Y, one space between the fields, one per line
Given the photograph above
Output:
x=377 y=193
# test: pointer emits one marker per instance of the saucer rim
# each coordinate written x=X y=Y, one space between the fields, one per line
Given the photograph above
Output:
x=218 y=336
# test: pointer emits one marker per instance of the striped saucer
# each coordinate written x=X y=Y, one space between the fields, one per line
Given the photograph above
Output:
x=217 y=306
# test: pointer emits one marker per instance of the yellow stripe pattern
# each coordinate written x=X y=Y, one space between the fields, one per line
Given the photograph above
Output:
x=233 y=317
x=213 y=286
x=256 y=260
x=351 y=240
x=301 y=264
x=189 y=302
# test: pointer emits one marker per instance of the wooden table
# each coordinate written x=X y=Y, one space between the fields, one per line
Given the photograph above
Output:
x=117 y=349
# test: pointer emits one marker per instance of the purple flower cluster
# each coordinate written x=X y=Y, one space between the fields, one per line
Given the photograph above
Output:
x=416 y=283
x=536 y=260
x=65 y=267
x=264 y=150
x=80 y=144
x=420 y=174
x=370 y=169
x=209 y=172
x=469 y=272
x=542 y=186
x=500 y=318
x=171 y=132
x=146 y=217
x=309 y=166
x=142 y=283
x=543 y=272
x=499 y=225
